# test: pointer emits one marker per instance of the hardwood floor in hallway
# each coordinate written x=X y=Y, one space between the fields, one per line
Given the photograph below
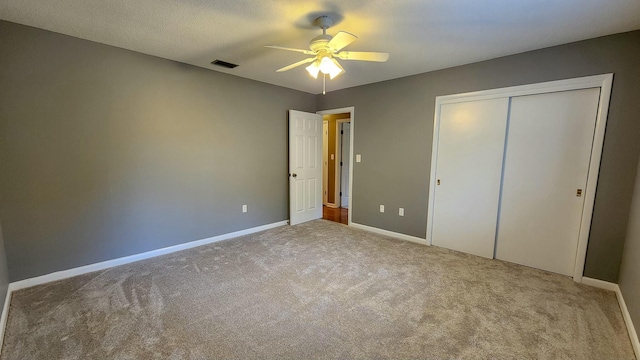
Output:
x=340 y=215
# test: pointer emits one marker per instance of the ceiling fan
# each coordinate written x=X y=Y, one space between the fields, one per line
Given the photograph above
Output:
x=326 y=48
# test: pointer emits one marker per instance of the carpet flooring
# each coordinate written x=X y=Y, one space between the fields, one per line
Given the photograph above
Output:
x=318 y=290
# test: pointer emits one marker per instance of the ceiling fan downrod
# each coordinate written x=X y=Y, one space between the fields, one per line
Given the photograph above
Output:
x=324 y=22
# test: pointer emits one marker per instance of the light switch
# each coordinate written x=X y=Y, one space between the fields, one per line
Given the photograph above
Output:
x=358 y=158
x=244 y=208
x=381 y=208
x=401 y=211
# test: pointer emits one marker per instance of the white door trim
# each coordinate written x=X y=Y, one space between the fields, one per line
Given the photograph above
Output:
x=604 y=82
x=351 y=111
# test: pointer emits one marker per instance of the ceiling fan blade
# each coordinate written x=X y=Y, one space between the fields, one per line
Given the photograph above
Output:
x=363 y=56
x=341 y=40
x=307 y=52
x=337 y=64
x=302 y=62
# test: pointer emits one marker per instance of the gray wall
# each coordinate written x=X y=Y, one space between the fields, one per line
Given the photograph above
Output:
x=106 y=153
x=394 y=123
x=630 y=269
x=4 y=272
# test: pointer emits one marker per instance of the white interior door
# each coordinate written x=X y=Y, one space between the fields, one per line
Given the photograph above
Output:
x=344 y=169
x=545 y=178
x=305 y=167
x=468 y=171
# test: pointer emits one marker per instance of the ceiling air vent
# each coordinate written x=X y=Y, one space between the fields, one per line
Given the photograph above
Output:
x=225 y=64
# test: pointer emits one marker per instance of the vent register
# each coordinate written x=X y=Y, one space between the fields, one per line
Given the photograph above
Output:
x=224 y=64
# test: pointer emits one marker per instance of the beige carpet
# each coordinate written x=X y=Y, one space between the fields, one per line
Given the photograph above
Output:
x=314 y=291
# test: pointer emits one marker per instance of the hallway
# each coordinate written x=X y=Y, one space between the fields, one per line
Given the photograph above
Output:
x=340 y=215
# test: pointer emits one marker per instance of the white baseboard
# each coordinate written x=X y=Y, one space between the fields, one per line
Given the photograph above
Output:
x=4 y=316
x=600 y=284
x=633 y=335
x=59 y=275
x=390 y=233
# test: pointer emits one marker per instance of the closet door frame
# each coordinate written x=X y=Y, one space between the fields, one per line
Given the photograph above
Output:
x=604 y=82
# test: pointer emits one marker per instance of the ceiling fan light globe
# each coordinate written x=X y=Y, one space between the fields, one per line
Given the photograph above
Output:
x=337 y=68
x=313 y=69
x=327 y=66
x=335 y=72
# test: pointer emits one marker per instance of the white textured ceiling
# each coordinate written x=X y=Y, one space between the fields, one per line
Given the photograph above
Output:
x=421 y=35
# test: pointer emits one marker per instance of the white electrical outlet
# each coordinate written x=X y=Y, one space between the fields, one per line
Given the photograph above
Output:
x=401 y=211
x=244 y=208
x=381 y=208
x=358 y=158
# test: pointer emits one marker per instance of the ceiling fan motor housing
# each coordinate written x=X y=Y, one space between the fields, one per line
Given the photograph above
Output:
x=320 y=42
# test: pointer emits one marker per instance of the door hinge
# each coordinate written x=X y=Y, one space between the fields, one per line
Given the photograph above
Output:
x=340 y=163
x=340 y=193
x=341 y=132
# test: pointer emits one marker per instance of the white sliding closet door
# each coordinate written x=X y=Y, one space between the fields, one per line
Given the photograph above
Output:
x=469 y=166
x=545 y=178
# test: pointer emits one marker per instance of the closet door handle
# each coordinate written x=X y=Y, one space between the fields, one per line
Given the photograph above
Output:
x=579 y=193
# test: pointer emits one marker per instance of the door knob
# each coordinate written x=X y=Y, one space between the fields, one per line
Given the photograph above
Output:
x=294 y=175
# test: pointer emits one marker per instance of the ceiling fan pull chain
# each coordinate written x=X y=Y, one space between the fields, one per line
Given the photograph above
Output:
x=324 y=84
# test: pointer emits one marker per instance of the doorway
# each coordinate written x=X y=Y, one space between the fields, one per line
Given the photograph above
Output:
x=337 y=163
